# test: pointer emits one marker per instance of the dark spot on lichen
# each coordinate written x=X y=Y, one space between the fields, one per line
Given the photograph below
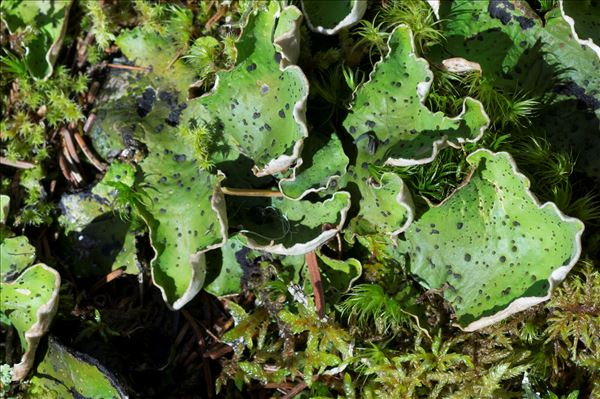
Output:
x=500 y=9
x=251 y=67
x=146 y=102
x=525 y=22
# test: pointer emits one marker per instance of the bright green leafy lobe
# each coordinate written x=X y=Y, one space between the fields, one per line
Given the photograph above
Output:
x=388 y=110
x=329 y=17
x=187 y=218
x=65 y=374
x=16 y=254
x=183 y=208
x=289 y=227
x=385 y=207
x=257 y=107
x=48 y=19
x=327 y=165
x=491 y=247
x=30 y=303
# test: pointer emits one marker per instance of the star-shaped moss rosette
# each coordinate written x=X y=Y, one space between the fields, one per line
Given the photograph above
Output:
x=491 y=247
x=265 y=117
x=63 y=373
x=47 y=18
x=329 y=17
x=184 y=210
x=583 y=16
x=388 y=110
x=30 y=303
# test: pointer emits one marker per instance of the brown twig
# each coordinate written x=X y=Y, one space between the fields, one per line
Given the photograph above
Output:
x=91 y=94
x=250 y=192
x=16 y=164
x=62 y=162
x=218 y=351
x=213 y=336
x=296 y=390
x=181 y=335
x=315 y=280
x=129 y=67
x=190 y=319
x=217 y=16
x=89 y=122
x=68 y=141
x=115 y=274
x=89 y=154
x=72 y=167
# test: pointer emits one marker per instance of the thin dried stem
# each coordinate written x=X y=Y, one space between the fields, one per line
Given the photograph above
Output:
x=250 y=192
x=317 y=284
x=16 y=164
x=129 y=67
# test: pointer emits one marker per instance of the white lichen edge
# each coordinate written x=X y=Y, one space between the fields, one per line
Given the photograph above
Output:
x=289 y=42
x=557 y=276
x=588 y=42
x=303 y=248
x=403 y=198
x=44 y=316
x=435 y=6
x=197 y=260
x=443 y=142
x=358 y=10
x=422 y=91
x=310 y=190
x=54 y=49
x=292 y=178
x=286 y=43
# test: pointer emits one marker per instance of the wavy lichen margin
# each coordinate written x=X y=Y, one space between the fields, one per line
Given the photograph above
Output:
x=197 y=260
x=360 y=122
x=555 y=278
x=283 y=34
x=379 y=206
x=589 y=42
x=44 y=315
x=311 y=245
x=431 y=262
x=354 y=15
